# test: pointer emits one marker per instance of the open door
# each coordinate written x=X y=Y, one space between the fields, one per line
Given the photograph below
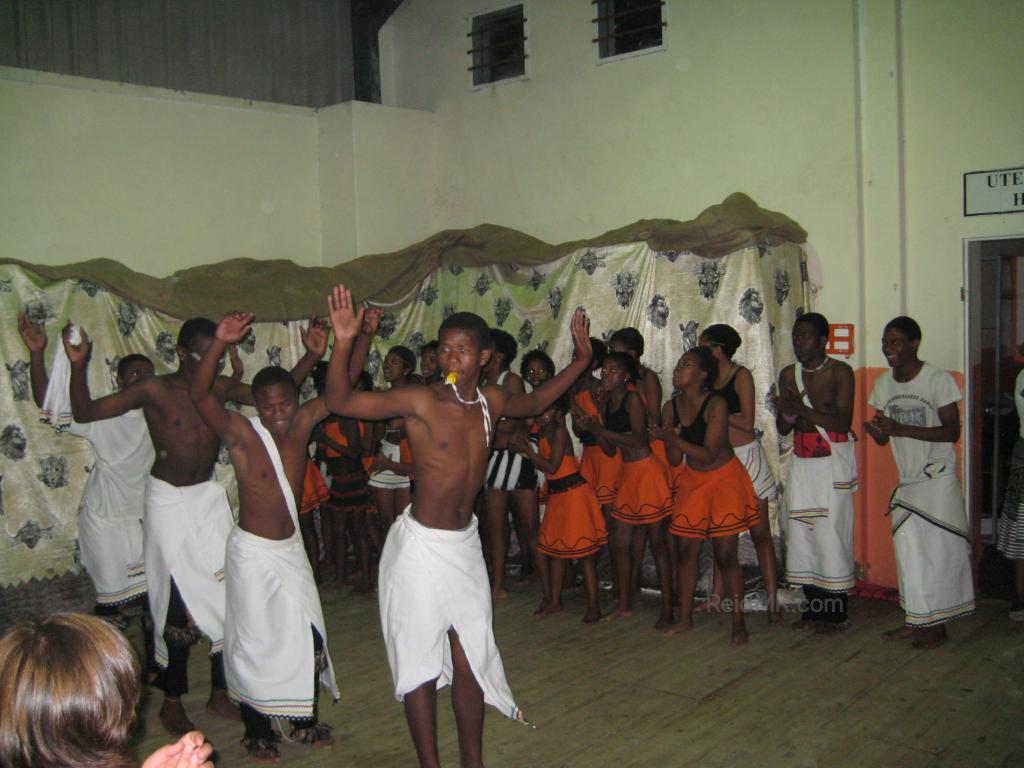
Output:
x=995 y=355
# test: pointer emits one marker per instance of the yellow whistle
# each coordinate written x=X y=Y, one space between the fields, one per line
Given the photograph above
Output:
x=450 y=378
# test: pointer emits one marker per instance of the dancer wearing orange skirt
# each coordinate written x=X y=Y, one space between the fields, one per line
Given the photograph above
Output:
x=573 y=527
x=643 y=495
x=714 y=496
x=736 y=384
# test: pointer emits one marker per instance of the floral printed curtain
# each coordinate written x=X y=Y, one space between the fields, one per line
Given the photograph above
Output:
x=670 y=296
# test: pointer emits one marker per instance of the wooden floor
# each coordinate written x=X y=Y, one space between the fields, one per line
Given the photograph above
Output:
x=619 y=695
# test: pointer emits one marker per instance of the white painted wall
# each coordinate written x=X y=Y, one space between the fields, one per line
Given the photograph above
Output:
x=156 y=179
x=855 y=118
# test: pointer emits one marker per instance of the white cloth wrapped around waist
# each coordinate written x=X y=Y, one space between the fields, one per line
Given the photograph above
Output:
x=935 y=495
x=186 y=533
x=272 y=603
x=433 y=580
x=111 y=552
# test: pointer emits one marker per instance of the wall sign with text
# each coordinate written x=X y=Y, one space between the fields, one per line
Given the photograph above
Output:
x=998 y=191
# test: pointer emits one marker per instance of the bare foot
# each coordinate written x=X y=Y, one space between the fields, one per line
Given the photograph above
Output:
x=775 y=619
x=547 y=610
x=541 y=608
x=930 y=637
x=618 y=613
x=220 y=705
x=676 y=629
x=900 y=633
x=800 y=624
x=174 y=719
x=739 y=634
x=499 y=594
x=592 y=615
x=665 y=620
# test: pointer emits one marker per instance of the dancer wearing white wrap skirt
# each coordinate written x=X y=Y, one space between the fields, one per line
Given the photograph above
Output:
x=435 y=601
x=186 y=594
x=916 y=413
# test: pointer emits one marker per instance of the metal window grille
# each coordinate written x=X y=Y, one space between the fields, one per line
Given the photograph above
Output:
x=498 y=45
x=624 y=26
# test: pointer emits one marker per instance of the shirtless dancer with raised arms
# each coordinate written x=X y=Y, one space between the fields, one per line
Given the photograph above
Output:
x=187 y=517
x=435 y=600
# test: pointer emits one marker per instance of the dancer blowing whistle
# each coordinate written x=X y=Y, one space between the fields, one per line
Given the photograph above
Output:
x=433 y=550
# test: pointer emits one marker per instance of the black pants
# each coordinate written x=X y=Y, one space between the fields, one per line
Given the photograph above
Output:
x=257 y=725
x=824 y=606
x=180 y=637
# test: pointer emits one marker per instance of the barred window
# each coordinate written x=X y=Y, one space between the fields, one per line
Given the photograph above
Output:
x=625 y=26
x=498 y=45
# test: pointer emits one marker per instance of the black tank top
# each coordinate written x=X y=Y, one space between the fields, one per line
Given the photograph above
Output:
x=618 y=421
x=695 y=432
x=729 y=393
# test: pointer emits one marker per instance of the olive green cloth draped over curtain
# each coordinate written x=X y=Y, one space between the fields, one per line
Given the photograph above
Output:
x=735 y=264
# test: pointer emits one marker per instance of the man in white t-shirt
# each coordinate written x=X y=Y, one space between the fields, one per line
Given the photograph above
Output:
x=917 y=414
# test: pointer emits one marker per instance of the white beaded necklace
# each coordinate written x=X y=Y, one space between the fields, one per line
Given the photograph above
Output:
x=823 y=364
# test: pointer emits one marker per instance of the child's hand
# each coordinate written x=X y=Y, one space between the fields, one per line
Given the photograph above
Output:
x=587 y=423
x=234 y=327
x=31 y=333
x=345 y=320
x=78 y=354
x=580 y=327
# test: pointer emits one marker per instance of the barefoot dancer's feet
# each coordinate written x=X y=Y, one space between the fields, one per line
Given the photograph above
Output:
x=664 y=620
x=930 y=637
x=901 y=633
x=619 y=613
x=499 y=594
x=739 y=634
x=676 y=629
x=220 y=705
x=542 y=608
x=174 y=719
x=262 y=751
x=592 y=615
x=547 y=610
x=775 y=619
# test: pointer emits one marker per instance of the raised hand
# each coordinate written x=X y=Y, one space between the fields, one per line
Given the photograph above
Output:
x=234 y=327
x=346 y=321
x=371 y=320
x=580 y=327
x=32 y=334
x=79 y=353
x=588 y=423
x=314 y=336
